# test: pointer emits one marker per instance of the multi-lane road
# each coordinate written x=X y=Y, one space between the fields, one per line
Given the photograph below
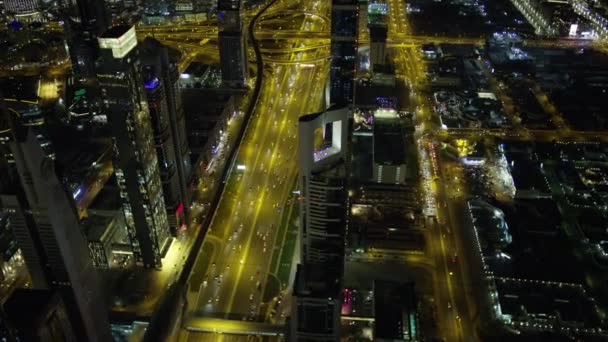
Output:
x=232 y=272
x=454 y=321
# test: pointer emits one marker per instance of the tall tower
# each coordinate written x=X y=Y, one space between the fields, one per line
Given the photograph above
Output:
x=232 y=44
x=20 y=107
x=86 y=20
x=344 y=28
x=318 y=284
x=135 y=160
x=60 y=247
x=164 y=102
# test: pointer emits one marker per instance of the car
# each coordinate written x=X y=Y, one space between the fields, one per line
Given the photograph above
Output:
x=251 y=297
x=455 y=258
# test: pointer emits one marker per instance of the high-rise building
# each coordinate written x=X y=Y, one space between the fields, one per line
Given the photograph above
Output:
x=91 y=15
x=20 y=106
x=232 y=44
x=135 y=161
x=164 y=102
x=377 y=46
x=57 y=242
x=86 y=20
x=389 y=147
x=395 y=311
x=21 y=99
x=318 y=284
x=21 y=6
x=344 y=28
x=44 y=320
x=229 y=15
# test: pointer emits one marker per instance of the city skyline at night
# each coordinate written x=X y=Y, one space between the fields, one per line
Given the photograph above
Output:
x=304 y=170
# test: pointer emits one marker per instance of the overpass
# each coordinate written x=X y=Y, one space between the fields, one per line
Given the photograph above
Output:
x=234 y=327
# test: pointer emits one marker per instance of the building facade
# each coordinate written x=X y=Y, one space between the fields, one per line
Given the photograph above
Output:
x=85 y=21
x=58 y=242
x=135 y=160
x=232 y=44
x=21 y=6
x=389 y=147
x=344 y=28
x=20 y=107
x=317 y=288
x=164 y=102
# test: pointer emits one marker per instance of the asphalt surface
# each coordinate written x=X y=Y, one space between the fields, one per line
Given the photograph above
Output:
x=232 y=270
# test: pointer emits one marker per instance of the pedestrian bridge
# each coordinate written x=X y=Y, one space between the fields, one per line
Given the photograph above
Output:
x=226 y=326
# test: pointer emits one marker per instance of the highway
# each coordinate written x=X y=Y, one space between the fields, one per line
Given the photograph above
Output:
x=232 y=271
x=454 y=321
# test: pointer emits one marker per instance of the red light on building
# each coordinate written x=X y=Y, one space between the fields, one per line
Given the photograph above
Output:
x=179 y=217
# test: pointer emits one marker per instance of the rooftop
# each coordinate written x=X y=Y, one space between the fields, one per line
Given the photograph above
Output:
x=395 y=311
x=375 y=96
x=116 y=31
x=389 y=142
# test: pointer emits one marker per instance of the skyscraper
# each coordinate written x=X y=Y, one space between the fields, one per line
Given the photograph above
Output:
x=58 y=242
x=318 y=284
x=86 y=20
x=20 y=107
x=164 y=102
x=135 y=160
x=344 y=28
x=232 y=44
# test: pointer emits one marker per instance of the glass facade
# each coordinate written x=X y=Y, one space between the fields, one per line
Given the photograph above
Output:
x=135 y=155
x=344 y=24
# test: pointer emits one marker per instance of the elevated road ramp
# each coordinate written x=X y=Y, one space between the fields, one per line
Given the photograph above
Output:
x=234 y=327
